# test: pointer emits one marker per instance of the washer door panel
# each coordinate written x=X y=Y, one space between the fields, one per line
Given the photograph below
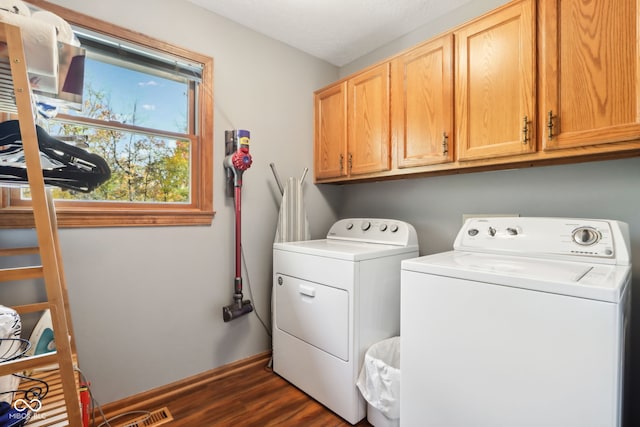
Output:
x=314 y=313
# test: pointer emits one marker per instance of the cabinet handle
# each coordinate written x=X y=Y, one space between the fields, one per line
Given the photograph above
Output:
x=445 y=143
x=525 y=130
x=341 y=162
x=350 y=161
x=550 y=125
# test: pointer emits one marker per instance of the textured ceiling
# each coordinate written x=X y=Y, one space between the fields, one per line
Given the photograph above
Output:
x=337 y=31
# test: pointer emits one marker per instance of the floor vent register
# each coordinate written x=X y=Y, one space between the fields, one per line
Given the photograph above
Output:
x=155 y=418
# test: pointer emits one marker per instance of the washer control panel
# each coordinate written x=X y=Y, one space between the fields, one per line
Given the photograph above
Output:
x=605 y=240
x=374 y=230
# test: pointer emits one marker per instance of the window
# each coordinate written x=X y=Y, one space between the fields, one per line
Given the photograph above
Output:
x=147 y=110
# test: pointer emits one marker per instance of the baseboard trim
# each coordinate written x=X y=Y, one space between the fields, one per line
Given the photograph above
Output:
x=147 y=400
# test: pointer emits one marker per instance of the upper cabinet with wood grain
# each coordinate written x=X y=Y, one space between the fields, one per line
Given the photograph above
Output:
x=368 y=121
x=330 y=148
x=495 y=83
x=422 y=104
x=352 y=134
x=590 y=59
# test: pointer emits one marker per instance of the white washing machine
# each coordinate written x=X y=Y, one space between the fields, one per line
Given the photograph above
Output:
x=332 y=299
x=523 y=324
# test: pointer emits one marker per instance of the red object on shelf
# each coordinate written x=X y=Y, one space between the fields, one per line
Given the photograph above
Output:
x=85 y=403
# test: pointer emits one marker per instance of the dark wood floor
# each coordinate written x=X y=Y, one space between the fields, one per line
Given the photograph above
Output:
x=252 y=396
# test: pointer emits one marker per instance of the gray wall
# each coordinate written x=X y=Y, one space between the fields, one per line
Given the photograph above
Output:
x=147 y=302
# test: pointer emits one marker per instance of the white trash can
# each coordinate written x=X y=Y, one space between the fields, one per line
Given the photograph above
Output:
x=379 y=383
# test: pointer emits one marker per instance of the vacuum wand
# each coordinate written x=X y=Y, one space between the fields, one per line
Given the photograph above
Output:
x=236 y=162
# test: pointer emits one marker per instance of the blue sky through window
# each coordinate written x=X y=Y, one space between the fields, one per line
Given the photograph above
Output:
x=159 y=103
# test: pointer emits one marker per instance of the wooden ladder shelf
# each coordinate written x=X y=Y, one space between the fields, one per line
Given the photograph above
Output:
x=50 y=271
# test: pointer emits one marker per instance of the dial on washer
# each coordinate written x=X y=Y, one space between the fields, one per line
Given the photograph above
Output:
x=586 y=236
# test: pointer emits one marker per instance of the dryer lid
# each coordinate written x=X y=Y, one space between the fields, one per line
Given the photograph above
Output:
x=344 y=249
x=585 y=280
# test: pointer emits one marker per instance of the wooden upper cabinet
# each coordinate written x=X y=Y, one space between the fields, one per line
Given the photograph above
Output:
x=590 y=60
x=495 y=83
x=368 y=121
x=422 y=104
x=331 y=132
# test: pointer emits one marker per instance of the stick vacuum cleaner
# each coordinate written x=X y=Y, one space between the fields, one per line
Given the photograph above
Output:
x=236 y=161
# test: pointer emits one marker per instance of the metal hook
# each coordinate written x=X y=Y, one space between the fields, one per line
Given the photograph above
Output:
x=275 y=174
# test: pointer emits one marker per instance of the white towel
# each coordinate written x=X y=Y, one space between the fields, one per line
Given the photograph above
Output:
x=40 y=49
x=15 y=6
x=293 y=225
x=64 y=31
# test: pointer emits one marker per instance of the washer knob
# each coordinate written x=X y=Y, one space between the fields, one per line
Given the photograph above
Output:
x=383 y=227
x=349 y=226
x=394 y=228
x=586 y=236
x=492 y=231
x=473 y=232
x=366 y=225
x=511 y=231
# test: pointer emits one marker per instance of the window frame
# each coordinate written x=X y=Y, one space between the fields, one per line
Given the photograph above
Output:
x=15 y=213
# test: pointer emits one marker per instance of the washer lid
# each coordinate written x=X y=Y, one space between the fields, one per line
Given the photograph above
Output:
x=344 y=249
x=584 y=280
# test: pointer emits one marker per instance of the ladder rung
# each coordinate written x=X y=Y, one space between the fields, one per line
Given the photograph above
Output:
x=31 y=308
x=20 y=273
x=19 y=251
x=27 y=363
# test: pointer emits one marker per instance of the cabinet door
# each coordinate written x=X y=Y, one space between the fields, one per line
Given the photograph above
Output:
x=422 y=104
x=495 y=83
x=331 y=132
x=589 y=72
x=368 y=112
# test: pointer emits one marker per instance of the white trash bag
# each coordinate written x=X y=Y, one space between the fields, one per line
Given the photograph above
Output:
x=379 y=379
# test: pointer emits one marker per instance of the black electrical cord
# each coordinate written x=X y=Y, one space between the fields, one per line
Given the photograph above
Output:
x=255 y=309
x=10 y=353
x=34 y=392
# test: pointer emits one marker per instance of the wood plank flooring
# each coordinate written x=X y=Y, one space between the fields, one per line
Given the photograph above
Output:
x=246 y=397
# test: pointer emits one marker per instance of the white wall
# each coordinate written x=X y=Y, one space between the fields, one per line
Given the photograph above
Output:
x=147 y=303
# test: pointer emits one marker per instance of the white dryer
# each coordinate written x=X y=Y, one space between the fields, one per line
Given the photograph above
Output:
x=332 y=299
x=523 y=324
